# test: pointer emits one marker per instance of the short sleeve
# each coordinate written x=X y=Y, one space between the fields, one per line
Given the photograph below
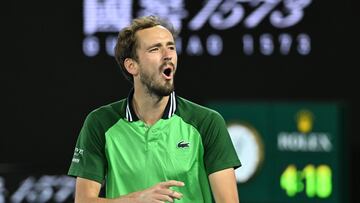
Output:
x=219 y=151
x=89 y=160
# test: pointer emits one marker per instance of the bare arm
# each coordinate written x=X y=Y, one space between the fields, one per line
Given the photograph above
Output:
x=87 y=191
x=223 y=186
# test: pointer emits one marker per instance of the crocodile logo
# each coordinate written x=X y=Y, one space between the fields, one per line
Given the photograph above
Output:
x=183 y=144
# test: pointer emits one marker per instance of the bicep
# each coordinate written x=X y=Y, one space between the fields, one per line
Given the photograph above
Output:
x=223 y=186
x=86 y=189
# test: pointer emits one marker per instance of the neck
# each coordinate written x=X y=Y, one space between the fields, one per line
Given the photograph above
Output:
x=148 y=107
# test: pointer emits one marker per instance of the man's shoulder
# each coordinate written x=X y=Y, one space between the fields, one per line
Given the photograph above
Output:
x=114 y=110
x=186 y=106
x=204 y=119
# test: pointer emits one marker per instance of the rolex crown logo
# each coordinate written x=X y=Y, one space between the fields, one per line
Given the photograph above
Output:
x=304 y=120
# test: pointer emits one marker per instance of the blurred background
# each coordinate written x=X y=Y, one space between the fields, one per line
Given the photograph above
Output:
x=281 y=72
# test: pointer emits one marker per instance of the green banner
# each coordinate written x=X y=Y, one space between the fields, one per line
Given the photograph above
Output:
x=290 y=151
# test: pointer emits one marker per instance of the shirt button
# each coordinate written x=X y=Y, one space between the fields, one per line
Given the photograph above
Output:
x=153 y=144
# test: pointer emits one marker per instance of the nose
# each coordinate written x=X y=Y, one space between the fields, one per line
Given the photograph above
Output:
x=167 y=55
x=167 y=58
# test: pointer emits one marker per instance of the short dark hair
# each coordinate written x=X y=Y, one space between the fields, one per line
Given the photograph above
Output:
x=127 y=43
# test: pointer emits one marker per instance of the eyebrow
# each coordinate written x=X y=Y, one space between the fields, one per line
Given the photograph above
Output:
x=159 y=44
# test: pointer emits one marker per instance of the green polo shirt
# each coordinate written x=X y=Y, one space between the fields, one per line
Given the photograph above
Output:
x=187 y=144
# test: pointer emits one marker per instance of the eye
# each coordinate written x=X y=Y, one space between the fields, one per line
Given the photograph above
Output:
x=154 y=49
x=172 y=47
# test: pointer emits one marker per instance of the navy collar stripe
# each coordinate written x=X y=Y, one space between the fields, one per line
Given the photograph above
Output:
x=168 y=112
x=174 y=102
x=171 y=105
x=128 y=114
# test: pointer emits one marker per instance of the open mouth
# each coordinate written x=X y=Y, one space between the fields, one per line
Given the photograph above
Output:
x=167 y=73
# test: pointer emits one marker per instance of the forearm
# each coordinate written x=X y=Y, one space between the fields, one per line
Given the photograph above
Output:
x=88 y=192
x=130 y=198
x=223 y=185
x=101 y=200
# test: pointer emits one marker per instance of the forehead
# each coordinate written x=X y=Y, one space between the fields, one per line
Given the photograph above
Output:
x=156 y=34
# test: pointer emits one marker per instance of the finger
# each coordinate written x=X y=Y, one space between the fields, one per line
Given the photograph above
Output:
x=162 y=197
x=171 y=183
x=171 y=193
x=176 y=195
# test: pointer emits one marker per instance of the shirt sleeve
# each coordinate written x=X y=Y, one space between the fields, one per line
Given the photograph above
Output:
x=89 y=160
x=219 y=150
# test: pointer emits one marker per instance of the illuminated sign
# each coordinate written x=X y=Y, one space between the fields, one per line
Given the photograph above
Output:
x=249 y=148
x=202 y=27
x=32 y=189
x=301 y=143
x=316 y=181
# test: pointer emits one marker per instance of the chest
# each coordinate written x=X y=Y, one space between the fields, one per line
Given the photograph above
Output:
x=161 y=152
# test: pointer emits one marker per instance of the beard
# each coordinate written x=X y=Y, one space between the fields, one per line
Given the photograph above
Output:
x=154 y=87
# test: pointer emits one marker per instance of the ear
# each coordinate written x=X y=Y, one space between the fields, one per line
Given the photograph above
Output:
x=131 y=66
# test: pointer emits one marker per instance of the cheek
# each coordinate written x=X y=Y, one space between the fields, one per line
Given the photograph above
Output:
x=175 y=61
x=151 y=61
x=149 y=68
